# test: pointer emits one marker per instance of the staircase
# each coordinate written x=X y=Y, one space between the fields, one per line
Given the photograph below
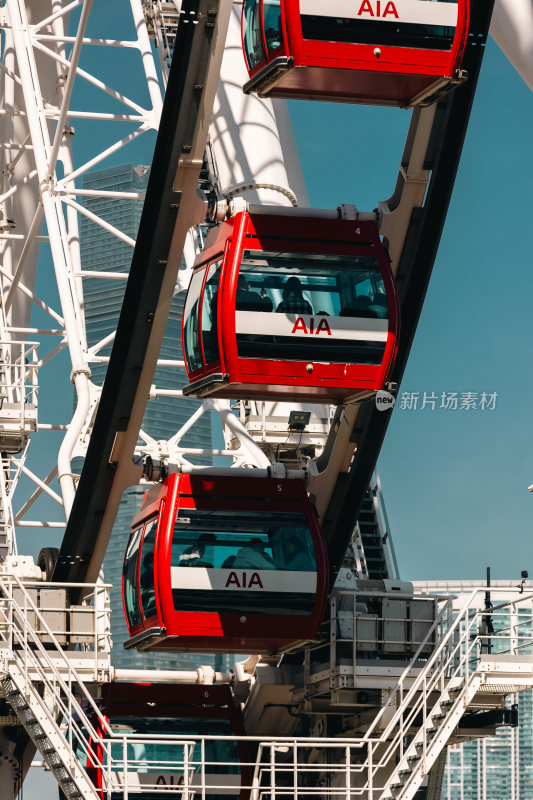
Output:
x=430 y=740
x=46 y=734
x=409 y=734
x=46 y=686
x=48 y=694
x=42 y=687
x=373 y=546
x=162 y=20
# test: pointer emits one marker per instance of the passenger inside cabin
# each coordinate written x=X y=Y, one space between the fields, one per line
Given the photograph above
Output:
x=193 y=556
x=146 y=576
x=379 y=305
x=293 y=299
x=247 y=300
x=295 y=557
x=253 y=556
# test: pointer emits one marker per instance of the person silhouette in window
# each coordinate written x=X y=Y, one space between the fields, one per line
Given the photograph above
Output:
x=193 y=556
x=293 y=300
x=247 y=300
x=295 y=556
x=253 y=556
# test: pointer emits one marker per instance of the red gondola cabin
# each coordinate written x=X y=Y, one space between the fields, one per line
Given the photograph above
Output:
x=163 y=710
x=385 y=52
x=220 y=564
x=290 y=307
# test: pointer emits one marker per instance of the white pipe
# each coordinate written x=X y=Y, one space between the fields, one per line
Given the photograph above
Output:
x=21 y=177
x=253 y=452
x=291 y=157
x=148 y=61
x=202 y=675
x=245 y=139
x=512 y=29
x=80 y=378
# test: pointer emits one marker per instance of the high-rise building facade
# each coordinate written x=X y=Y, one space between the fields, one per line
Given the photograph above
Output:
x=498 y=767
x=102 y=251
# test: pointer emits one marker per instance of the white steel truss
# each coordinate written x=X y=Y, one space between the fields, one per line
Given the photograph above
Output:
x=467 y=669
x=42 y=68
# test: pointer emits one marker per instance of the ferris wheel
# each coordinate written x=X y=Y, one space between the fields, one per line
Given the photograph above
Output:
x=304 y=317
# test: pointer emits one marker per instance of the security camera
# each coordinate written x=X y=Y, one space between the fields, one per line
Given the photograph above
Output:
x=530 y=488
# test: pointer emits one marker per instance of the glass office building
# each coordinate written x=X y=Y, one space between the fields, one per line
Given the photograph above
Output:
x=101 y=250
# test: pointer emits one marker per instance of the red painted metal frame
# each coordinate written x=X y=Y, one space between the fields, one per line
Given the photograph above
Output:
x=263 y=379
x=213 y=631
x=171 y=700
x=345 y=72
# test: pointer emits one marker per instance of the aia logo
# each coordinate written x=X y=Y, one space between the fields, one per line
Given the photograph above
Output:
x=380 y=9
x=244 y=582
x=171 y=782
x=322 y=326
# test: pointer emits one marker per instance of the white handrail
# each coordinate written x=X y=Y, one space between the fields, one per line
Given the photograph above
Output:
x=134 y=763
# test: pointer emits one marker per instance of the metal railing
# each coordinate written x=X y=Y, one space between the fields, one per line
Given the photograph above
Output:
x=363 y=767
x=414 y=624
x=130 y=763
x=36 y=613
x=18 y=373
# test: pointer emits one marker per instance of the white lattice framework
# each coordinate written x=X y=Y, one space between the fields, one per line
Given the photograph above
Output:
x=53 y=86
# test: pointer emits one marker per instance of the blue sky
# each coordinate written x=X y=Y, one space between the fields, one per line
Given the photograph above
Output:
x=455 y=482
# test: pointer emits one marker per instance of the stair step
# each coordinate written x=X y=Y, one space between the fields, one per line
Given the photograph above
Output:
x=73 y=791
x=17 y=701
x=35 y=730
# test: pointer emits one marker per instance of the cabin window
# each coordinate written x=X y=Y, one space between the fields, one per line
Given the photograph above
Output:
x=251 y=33
x=272 y=24
x=146 y=574
x=131 y=598
x=228 y=544
x=209 y=314
x=191 y=332
x=323 y=308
